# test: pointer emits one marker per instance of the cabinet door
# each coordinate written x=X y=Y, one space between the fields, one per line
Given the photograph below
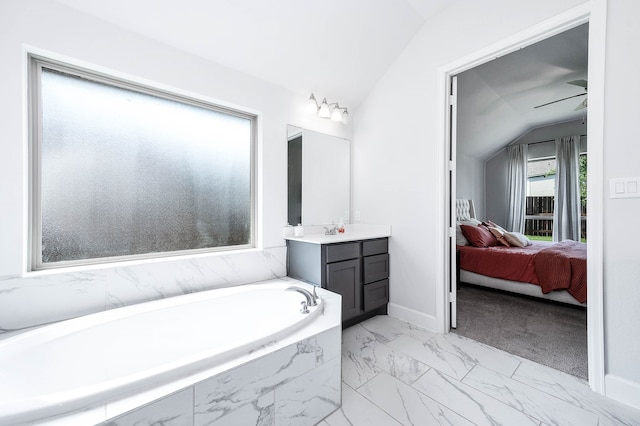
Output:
x=344 y=278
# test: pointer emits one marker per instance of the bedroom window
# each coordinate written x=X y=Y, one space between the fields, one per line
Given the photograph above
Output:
x=541 y=183
x=541 y=180
x=121 y=171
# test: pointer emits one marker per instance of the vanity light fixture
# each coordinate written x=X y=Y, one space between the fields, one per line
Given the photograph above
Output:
x=327 y=110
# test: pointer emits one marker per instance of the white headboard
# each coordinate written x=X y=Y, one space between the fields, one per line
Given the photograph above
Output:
x=465 y=210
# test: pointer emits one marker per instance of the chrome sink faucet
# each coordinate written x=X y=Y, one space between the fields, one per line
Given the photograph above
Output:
x=331 y=231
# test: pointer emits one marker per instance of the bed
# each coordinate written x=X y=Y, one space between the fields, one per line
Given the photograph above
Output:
x=553 y=271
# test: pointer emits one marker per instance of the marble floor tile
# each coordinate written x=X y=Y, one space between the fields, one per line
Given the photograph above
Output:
x=469 y=402
x=464 y=382
x=576 y=391
x=359 y=342
x=357 y=410
x=356 y=371
x=387 y=328
x=406 y=404
x=544 y=407
x=478 y=353
x=432 y=355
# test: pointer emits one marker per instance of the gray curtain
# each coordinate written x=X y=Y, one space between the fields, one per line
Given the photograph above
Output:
x=566 y=214
x=517 y=169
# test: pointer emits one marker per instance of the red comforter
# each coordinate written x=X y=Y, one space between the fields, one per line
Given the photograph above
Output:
x=563 y=266
x=552 y=266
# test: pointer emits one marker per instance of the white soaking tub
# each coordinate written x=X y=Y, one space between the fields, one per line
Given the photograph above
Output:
x=81 y=364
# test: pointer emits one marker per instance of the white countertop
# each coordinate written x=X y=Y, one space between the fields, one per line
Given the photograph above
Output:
x=353 y=232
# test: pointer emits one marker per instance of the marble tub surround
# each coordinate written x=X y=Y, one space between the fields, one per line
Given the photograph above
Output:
x=353 y=232
x=296 y=385
x=292 y=374
x=396 y=374
x=49 y=296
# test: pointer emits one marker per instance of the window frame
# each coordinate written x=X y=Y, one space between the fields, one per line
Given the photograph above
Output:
x=34 y=104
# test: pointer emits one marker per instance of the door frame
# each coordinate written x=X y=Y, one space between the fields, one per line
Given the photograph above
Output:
x=593 y=12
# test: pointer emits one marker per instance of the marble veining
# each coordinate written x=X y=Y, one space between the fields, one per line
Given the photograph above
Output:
x=289 y=386
x=50 y=296
x=378 y=356
x=432 y=355
x=575 y=391
x=469 y=402
x=545 y=407
x=408 y=405
x=167 y=412
x=463 y=382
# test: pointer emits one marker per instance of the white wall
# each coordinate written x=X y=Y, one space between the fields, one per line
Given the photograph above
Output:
x=470 y=182
x=621 y=236
x=32 y=298
x=547 y=133
x=397 y=160
x=398 y=163
x=496 y=175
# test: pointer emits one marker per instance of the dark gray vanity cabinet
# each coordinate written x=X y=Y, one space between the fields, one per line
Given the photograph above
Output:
x=357 y=270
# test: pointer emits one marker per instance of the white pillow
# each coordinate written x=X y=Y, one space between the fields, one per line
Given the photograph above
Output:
x=517 y=239
x=499 y=232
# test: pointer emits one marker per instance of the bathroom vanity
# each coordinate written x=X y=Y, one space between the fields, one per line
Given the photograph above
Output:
x=352 y=265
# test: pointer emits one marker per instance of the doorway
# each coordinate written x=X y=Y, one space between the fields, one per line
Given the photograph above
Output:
x=595 y=16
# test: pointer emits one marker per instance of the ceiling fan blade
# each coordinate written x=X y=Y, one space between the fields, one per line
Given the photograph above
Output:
x=581 y=83
x=581 y=105
x=560 y=100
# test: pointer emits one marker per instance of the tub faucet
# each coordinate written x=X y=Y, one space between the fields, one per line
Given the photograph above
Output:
x=311 y=300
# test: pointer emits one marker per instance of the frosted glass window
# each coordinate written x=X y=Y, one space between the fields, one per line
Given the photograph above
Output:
x=122 y=172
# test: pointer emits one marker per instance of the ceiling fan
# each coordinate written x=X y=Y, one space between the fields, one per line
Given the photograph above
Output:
x=581 y=105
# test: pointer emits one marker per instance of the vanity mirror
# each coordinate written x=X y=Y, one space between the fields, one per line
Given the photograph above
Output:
x=319 y=185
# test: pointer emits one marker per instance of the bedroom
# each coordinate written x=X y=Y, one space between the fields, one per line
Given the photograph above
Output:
x=523 y=99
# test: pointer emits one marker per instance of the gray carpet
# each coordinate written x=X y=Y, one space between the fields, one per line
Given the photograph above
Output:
x=551 y=334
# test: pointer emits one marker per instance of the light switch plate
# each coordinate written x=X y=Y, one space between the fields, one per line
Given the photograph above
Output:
x=628 y=187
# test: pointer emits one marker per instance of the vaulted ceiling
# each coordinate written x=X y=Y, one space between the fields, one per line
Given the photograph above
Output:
x=496 y=100
x=340 y=49
x=334 y=48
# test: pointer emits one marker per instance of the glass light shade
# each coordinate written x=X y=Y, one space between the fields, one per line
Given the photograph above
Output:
x=345 y=116
x=324 y=109
x=312 y=105
x=336 y=115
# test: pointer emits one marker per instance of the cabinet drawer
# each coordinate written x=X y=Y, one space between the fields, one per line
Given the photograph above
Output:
x=371 y=247
x=376 y=294
x=338 y=252
x=376 y=267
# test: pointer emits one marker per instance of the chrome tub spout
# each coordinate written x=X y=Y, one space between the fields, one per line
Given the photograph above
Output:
x=311 y=300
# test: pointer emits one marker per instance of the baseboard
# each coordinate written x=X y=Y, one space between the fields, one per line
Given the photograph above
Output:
x=420 y=319
x=622 y=390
